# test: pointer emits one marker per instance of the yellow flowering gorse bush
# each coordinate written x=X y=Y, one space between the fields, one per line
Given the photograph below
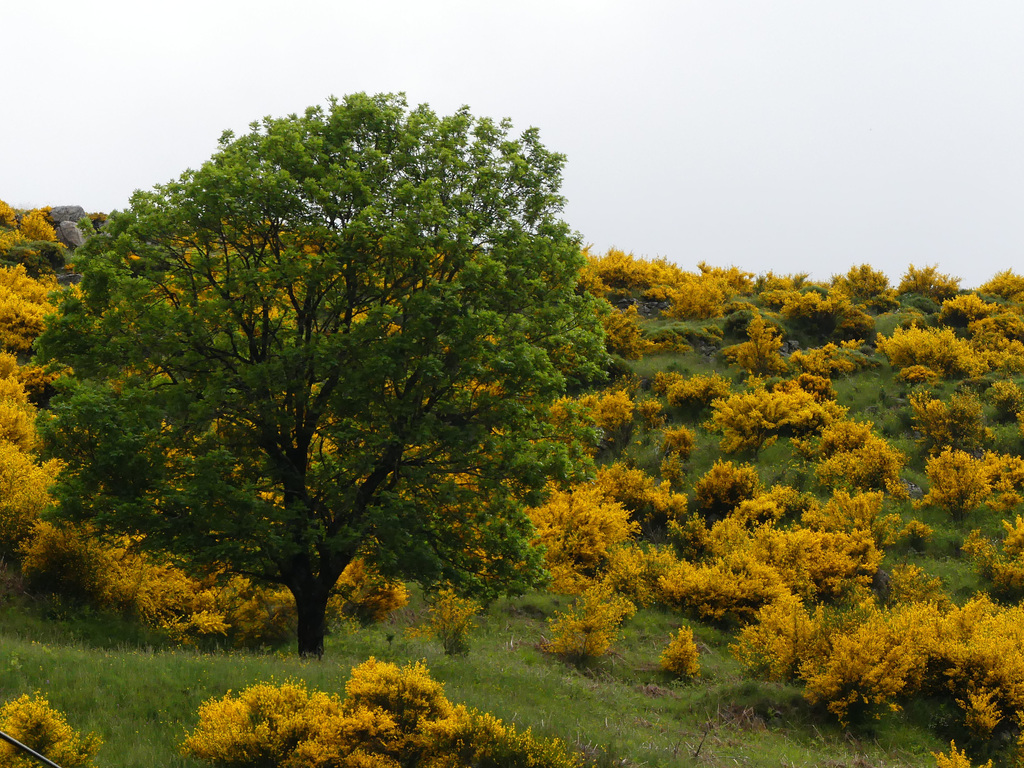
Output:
x=680 y=657
x=587 y=629
x=32 y=721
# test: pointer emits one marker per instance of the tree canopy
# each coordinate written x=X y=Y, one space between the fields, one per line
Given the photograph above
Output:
x=337 y=338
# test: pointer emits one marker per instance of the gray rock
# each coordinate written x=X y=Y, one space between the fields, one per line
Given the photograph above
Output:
x=69 y=234
x=646 y=308
x=914 y=490
x=62 y=213
x=707 y=349
x=69 y=278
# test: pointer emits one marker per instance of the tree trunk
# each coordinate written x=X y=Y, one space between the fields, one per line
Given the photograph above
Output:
x=311 y=606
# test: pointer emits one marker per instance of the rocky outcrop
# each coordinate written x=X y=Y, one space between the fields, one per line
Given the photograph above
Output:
x=645 y=308
x=62 y=213
x=69 y=234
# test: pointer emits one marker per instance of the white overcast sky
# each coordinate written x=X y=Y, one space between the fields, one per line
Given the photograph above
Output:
x=767 y=134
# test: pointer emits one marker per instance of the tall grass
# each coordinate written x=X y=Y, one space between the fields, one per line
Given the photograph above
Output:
x=142 y=700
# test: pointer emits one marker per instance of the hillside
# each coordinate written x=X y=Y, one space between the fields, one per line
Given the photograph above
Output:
x=820 y=481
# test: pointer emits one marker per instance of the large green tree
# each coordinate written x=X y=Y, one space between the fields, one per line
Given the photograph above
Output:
x=337 y=338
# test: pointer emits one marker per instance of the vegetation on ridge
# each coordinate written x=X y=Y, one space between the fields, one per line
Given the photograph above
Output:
x=791 y=533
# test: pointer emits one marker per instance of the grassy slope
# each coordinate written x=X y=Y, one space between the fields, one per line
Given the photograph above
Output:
x=142 y=700
x=107 y=677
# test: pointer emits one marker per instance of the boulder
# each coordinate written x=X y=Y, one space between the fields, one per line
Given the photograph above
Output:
x=913 y=490
x=646 y=308
x=69 y=234
x=69 y=278
x=62 y=213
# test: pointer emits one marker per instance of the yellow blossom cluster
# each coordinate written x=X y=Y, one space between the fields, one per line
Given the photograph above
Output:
x=588 y=628
x=390 y=716
x=938 y=349
x=32 y=721
x=755 y=419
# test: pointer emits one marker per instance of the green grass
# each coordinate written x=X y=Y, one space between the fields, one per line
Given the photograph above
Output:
x=142 y=700
x=110 y=675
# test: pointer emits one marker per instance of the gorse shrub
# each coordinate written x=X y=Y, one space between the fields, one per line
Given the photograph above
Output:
x=391 y=717
x=862 y=659
x=17 y=415
x=24 y=304
x=928 y=281
x=1007 y=398
x=936 y=348
x=611 y=412
x=261 y=726
x=754 y=420
x=32 y=721
x=916 y=533
x=830 y=360
x=35 y=225
x=620 y=271
x=649 y=504
x=633 y=571
x=1005 y=473
x=8 y=216
x=450 y=620
x=578 y=529
x=820 y=387
x=816 y=564
x=729 y=588
x=696 y=298
x=918 y=374
x=481 y=740
x=909 y=583
x=587 y=629
x=961 y=311
x=1006 y=284
x=846 y=512
x=256 y=616
x=365 y=595
x=24 y=494
x=651 y=413
x=759 y=355
x=695 y=391
x=956 y=759
x=959 y=483
x=872 y=665
x=772 y=505
x=9 y=239
x=868 y=287
x=724 y=487
x=981 y=713
x=958 y=424
x=163 y=595
x=849 y=455
x=825 y=316
x=623 y=335
x=286 y=725
x=678 y=440
x=408 y=694
x=66 y=561
x=71 y=563
x=1001 y=563
x=681 y=656
x=782 y=636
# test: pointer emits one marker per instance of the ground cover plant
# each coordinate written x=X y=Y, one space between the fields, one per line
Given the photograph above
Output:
x=779 y=526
